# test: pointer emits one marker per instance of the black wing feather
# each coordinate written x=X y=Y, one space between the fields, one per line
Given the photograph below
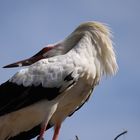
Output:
x=14 y=97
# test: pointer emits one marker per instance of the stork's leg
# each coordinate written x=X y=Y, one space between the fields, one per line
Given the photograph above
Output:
x=49 y=114
x=43 y=128
x=56 y=132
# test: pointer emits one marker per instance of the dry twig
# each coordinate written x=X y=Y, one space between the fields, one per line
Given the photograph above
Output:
x=120 y=135
x=76 y=138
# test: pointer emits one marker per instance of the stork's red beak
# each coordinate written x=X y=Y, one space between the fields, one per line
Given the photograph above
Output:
x=40 y=55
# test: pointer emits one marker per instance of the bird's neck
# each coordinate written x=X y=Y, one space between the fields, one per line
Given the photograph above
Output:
x=97 y=47
x=84 y=47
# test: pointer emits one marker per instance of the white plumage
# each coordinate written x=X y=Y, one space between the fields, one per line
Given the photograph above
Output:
x=65 y=75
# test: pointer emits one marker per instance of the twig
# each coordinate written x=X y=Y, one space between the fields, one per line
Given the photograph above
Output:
x=120 y=135
x=76 y=138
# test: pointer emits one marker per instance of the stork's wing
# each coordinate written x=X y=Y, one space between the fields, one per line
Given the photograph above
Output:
x=14 y=97
x=34 y=84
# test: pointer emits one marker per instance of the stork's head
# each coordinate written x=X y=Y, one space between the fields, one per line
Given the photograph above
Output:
x=100 y=37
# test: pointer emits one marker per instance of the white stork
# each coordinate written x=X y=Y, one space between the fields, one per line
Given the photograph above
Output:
x=55 y=83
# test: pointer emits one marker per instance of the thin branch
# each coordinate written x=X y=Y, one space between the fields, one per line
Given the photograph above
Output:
x=76 y=138
x=120 y=135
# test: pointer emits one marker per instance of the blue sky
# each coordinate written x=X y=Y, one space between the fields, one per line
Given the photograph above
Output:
x=28 y=25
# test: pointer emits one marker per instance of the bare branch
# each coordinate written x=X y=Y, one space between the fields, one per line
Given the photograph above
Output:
x=76 y=138
x=120 y=135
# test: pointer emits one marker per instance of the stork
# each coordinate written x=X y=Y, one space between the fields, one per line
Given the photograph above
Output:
x=55 y=83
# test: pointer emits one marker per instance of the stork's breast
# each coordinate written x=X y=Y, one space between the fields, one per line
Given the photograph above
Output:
x=74 y=97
